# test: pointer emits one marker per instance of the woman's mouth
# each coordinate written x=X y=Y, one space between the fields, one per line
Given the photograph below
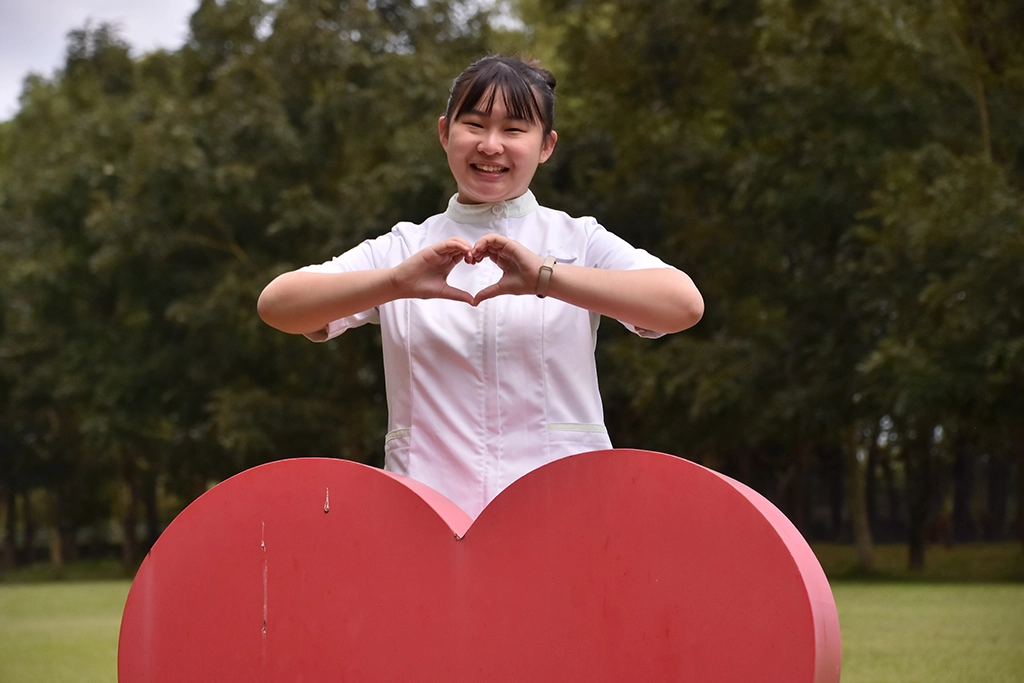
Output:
x=489 y=168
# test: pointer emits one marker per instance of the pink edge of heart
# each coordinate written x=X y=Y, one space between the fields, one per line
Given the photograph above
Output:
x=452 y=515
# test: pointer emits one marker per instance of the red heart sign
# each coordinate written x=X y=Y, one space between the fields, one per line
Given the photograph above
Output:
x=609 y=566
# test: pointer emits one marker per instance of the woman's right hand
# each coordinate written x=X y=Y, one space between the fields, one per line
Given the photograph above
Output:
x=302 y=302
x=424 y=275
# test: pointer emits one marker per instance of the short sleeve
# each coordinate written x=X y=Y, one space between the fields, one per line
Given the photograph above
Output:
x=611 y=252
x=361 y=257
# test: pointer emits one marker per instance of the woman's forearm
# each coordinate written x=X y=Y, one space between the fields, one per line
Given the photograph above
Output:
x=302 y=302
x=657 y=299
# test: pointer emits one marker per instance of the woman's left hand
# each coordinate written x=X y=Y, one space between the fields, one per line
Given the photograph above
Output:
x=519 y=265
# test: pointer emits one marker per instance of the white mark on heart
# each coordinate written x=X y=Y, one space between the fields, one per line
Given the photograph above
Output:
x=327 y=503
x=263 y=545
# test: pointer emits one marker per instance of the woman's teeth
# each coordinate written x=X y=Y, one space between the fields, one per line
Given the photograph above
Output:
x=489 y=169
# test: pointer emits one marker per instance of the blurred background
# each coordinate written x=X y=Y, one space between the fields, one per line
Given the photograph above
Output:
x=843 y=181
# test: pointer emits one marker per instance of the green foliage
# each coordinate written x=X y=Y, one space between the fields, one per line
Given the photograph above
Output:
x=843 y=181
x=147 y=202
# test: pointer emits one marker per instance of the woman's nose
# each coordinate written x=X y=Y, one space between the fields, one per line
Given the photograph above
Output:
x=490 y=143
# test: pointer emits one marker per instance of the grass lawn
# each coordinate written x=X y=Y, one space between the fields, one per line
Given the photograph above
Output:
x=60 y=632
x=931 y=633
x=66 y=632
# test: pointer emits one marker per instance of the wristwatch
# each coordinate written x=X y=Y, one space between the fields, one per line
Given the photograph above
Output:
x=545 y=276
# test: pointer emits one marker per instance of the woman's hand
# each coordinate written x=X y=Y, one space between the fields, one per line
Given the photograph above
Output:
x=424 y=275
x=655 y=299
x=519 y=265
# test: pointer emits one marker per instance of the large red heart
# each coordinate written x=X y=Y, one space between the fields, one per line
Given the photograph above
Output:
x=609 y=566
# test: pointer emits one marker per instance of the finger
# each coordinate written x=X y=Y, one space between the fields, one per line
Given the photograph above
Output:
x=453 y=247
x=489 y=244
x=494 y=252
x=457 y=245
x=455 y=251
x=488 y=292
x=490 y=238
x=456 y=294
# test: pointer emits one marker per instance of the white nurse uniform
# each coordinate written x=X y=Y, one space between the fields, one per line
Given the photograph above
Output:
x=478 y=397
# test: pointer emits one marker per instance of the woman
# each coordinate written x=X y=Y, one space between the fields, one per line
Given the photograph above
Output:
x=489 y=311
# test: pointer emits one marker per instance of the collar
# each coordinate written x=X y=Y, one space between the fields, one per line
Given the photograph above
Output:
x=485 y=213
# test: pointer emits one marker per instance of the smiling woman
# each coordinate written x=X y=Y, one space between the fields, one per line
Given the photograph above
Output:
x=494 y=144
x=485 y=380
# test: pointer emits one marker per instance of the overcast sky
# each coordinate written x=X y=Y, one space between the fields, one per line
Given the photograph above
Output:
x=32 y=33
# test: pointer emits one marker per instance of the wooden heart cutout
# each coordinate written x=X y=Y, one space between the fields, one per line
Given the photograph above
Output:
x=616 y=565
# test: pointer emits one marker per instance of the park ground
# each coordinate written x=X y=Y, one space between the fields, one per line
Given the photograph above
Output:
x=960 y=621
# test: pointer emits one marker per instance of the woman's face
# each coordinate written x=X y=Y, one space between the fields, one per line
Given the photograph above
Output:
x=493 y=157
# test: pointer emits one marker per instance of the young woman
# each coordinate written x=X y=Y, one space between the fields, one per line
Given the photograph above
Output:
x=488 y=311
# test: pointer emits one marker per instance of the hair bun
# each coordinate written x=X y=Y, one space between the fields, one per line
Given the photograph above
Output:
x=546 y=76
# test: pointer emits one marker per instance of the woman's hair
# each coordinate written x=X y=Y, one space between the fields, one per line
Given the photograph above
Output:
x=527 y=90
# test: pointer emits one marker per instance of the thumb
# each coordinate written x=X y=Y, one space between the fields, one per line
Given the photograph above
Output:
x=456 y=294
x=489 y=292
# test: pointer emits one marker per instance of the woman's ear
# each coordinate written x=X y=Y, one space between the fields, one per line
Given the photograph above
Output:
x=442 y=132
x=548 y=146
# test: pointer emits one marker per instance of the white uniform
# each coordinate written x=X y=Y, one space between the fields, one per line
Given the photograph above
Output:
x=478 y=397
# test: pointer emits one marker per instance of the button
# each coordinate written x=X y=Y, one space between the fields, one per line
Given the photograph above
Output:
x=497 y=209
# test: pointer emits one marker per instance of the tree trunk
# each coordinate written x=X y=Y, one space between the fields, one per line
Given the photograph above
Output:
x=896 y=521
x=997 y=494
x=56 y=543
x=29 y=551
x=856 y=482
x=919 y=494
x=65 y=522
x=964 y=526
x=871 y=485
x=791 y=487
x=834 y=460
x=9 y=557
x=56 y=553
x=1020 y=494
x=152 y=508
x=130 y=520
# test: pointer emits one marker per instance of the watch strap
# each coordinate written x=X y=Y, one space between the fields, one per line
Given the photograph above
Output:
x=544 y=278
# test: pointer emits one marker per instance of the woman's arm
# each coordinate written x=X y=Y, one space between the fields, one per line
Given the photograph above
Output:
x=301 y=302
x=656 y=299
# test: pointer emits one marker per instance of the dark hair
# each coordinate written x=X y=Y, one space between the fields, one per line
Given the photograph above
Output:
x=527 y=90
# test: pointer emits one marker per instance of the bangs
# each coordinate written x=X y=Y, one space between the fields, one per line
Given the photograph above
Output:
x=517 y=94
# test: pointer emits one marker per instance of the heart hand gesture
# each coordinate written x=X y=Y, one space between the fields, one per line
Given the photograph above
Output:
x=519 y=265
x=424 y=275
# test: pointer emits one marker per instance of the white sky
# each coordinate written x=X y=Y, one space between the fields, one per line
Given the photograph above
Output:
x=33 y=32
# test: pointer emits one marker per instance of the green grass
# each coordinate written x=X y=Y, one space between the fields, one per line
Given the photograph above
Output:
x=931 y=633
x=66 y=632
x=60 y=632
